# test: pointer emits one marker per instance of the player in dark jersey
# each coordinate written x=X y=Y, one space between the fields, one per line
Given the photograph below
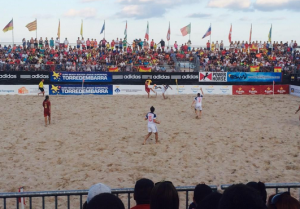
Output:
x=47 y=110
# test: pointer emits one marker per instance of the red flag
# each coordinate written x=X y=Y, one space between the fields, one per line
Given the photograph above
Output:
x=229 y=36
x=147 y=32
x=169 y=33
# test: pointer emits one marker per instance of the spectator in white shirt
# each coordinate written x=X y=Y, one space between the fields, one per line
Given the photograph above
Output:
x=57 y=42
x=66 y=43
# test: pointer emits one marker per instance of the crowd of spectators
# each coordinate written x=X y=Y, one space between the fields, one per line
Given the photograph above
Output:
x=163 y=195
x=91 y=55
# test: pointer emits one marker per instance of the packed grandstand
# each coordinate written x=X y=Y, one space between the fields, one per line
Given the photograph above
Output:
x=119 y=55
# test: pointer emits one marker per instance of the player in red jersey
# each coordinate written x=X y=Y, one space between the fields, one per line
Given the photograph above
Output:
x=298 y=111
x=47 y=109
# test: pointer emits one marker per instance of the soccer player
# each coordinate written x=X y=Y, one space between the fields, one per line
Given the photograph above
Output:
x=147 y=88
x=298 y=111
x=47 y=110
x=41 y=87
x=198 y=104
x=164 y=89
x=151 y=117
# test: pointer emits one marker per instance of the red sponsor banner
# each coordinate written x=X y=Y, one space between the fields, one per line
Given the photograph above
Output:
x=259 y=89
x=245 y=90
x=266 y=89
x=281 y=89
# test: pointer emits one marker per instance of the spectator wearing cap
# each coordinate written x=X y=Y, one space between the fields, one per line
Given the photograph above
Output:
x=283 y=200
x=105 y=201
x=201 y=191
x=95 y=190
x=142 y=193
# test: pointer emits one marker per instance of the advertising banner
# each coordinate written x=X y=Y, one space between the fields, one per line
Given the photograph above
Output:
x=259 y=89
x=22 y=89
x=129 y=90
x=78 y=90
x=212 y=77
x=295 y=90
x=80 y=76
x=7 y=75
x=253 y=77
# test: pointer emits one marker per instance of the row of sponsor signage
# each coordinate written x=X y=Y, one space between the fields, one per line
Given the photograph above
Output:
x=140 y=89
x=90 y=77
x=295 y=90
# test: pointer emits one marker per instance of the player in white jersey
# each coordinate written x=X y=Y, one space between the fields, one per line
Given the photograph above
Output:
x=197 y=103
x=151 y=118
x=164 y=89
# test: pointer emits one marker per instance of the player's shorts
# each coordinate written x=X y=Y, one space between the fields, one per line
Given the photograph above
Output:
x=163 y=90
x=41 y=89
x=46 y=113
x=147 y=90
x=152 y=128
x=198 y=107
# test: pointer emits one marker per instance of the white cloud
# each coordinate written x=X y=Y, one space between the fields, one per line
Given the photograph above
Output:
x=270 y=5
x=238 y=4
x=86 y=12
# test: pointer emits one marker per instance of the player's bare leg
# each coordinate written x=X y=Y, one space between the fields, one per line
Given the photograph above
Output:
x=149 y=95
x=46 y=121
x=164 y=95
x=200 y=113
x=156 y=138
x=196 y=114
x=43 y=93
x=49 y=119
x=147 y=137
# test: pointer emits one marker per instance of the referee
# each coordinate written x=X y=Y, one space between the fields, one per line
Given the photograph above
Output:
x=41 y=87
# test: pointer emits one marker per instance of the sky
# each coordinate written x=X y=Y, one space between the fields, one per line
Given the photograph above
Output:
x=282 y=14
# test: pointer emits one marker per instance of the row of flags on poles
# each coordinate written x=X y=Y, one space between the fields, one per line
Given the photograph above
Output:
x=32 y=26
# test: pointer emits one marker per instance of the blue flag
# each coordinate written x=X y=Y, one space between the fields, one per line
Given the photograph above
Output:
x=103 y=28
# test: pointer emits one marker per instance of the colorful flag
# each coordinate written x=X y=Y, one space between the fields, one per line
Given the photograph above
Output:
x=250 y=34
x=103 y=28
x=277 y=69
x=229 y=36
x=147 y=32
x=208 y=32
x=32 y=26
x=186 y=30
x=270 y=34
x=9 y=26
x=113 y=69
x=254 y=68
x=58 y=31
x=81 y=29
x=125 y=32
x=145 y=69
x=169 y=33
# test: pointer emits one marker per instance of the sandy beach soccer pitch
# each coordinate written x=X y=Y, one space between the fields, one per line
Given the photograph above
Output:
x=99 y=139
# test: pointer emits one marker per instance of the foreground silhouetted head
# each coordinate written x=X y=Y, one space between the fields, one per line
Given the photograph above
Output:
x=105 y=201
x=164 y=196
x=142 y=191
x=261 y=188
x=200 y=192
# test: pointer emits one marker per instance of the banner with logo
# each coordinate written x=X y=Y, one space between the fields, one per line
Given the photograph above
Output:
x=173 y=90
x=78 y=90
x=295 y=90
x=259 y=89
x=22 y=89
x=7 y=75
x=212 y=77
x=253 y=77
x=80 y=76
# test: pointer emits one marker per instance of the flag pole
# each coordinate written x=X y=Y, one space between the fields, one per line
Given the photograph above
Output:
x=104 y=29
x=190 y=31
x=36 y=29
x=210 y=36
x=13 y=32
x=170 y=35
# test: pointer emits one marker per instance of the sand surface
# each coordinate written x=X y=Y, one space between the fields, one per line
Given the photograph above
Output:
x=99 y=139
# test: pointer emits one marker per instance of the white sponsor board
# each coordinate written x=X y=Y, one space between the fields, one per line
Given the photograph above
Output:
x=295 y=90
x=22 y=89
x=180 y=89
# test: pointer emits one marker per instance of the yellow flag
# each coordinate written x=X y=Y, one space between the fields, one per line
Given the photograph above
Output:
x=81 y=29
x=58 y=31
